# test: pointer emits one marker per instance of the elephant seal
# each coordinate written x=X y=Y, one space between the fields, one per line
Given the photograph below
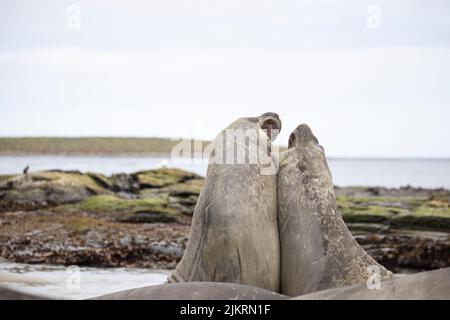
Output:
x=234 y=230
x=11 y=294
x=317 y=249
x=429 y=285
x=195 y=291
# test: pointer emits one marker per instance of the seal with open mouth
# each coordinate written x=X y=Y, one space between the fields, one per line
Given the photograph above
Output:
x=317 y=249
x=234 y=231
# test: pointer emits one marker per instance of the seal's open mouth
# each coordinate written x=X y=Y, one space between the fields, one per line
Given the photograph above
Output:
x=271 y=124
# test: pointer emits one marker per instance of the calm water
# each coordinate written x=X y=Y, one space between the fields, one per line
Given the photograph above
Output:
x=346 y=172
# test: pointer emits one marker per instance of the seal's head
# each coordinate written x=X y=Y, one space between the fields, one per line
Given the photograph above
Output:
x=270 y=123
x=302 y=135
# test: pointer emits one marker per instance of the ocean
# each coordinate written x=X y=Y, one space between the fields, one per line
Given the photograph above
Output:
x=393 y=173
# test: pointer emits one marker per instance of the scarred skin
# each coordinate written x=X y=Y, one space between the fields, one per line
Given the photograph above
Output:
x=234 y=231
x=317 y=250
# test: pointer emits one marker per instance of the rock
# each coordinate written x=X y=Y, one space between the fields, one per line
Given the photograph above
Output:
x=162 y=177
x=149 y=217
x=100 y=179
x=115 y=204
x=124 y=182
x=166 y=248
x=182 y=197
x=192 y=187
x=56 y=187
x=47 y=188
x=184 y=205
x=411 y=249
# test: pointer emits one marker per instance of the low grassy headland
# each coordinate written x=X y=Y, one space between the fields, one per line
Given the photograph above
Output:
x=87 y=145
x=93 y=146
x=143 y=219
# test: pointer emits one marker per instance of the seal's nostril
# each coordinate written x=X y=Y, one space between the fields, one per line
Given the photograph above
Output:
x=292 y=140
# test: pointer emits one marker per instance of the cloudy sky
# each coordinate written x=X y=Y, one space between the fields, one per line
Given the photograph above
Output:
x=372 y=78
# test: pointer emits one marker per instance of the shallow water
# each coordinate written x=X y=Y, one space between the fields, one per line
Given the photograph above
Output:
x=424 y=173
x=62 y=282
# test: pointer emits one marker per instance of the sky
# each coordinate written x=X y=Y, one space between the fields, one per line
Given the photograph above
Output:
x=371 y=78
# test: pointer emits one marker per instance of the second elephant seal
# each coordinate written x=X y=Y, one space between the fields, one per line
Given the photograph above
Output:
x=234 y=231
x=317 y=250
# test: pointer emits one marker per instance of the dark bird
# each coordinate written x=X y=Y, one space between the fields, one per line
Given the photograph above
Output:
x=25 y=171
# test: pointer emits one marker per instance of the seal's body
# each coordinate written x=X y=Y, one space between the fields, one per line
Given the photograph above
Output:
x=428 y=285
x=317 y=249
x=234 y=231
x=194 y=291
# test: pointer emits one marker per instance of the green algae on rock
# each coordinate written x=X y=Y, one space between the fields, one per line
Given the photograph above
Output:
x=110 y=231
x=169 y=191
x=162 y=177
x=423 y=213
x=53 y=188
x=112 y=203
x=146 y=210
x=45 y=189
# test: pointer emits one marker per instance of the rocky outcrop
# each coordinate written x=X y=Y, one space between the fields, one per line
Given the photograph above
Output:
x=171 y=190
x=62 y=217
x=45 y=189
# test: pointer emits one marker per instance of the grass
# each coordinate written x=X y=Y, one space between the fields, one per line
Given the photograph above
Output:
x=110 y=203
x=87 y=145
x=92 y=145
x=4 y=177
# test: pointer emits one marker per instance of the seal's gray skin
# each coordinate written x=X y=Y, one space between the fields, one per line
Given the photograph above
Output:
x=10 y=294
x=195 y=291
x=317 y=249
x=234 y=231
x=429 y=285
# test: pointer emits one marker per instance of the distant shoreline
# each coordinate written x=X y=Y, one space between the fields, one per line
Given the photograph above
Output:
x=86 y=154
x=168 y=154
x=126 y=147
x=88 y=146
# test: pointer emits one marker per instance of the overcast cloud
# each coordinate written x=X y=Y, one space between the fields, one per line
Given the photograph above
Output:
x=188 y=68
